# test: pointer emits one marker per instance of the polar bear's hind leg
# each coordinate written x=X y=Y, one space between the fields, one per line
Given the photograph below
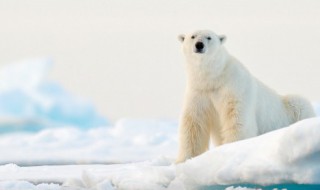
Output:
x=298 y=108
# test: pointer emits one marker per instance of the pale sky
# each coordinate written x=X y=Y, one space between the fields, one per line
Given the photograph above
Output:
x=125 y=57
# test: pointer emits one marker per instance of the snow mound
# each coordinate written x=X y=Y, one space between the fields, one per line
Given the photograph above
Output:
x=29 y=101
x=286 y=156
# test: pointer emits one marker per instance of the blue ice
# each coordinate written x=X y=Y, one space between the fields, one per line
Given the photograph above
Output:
x=29 y=101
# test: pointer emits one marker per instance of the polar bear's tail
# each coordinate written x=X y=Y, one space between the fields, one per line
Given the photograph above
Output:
x=298 y=107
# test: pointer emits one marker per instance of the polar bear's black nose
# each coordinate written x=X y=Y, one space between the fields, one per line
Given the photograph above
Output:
x=199 y=46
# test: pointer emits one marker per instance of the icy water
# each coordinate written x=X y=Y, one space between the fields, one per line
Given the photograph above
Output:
x=272 y=187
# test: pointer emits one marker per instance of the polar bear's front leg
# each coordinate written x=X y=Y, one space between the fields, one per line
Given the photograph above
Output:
x=194 y=132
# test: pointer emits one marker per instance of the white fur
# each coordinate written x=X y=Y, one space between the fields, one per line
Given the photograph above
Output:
x=224 y=101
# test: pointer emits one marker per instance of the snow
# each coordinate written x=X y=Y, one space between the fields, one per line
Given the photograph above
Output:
x=27 y=186
x=30 y=101
x=286 y=156
x=137 y=176
x=290 y=154
x=128 y=140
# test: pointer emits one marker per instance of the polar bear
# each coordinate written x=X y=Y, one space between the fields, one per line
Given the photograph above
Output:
x=224 y=101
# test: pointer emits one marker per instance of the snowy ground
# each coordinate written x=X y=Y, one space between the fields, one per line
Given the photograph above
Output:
x=129 y=140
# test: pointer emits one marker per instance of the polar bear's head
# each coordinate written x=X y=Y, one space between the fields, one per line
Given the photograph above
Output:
x=201 y=44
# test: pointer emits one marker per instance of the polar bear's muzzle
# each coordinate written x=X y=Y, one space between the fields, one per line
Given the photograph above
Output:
x=199 y=47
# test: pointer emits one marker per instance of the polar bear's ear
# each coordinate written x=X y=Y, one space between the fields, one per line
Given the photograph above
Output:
x=223 y=39
x=181 y=37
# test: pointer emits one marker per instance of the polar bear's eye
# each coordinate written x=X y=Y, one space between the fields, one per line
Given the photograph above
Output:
x=192 y=37
x=209 y=38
